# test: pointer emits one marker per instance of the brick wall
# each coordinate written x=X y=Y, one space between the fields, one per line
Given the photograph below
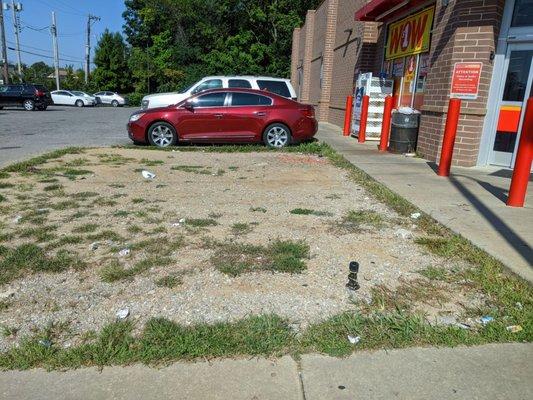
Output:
x=463 y=31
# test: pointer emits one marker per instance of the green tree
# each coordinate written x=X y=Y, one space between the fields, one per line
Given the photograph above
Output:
x=111 y=60
x=39 y=73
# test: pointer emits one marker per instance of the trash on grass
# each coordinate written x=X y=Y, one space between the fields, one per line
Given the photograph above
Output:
x=123 y=313
x=45 y=343
x=486 y=319
x=354 y=339
x=403 y=233
x=147 y=174
x=17 y=219
x=124 y=252
x=519 y=305
x=416 y=215
x=514 y=328
x=95 y=245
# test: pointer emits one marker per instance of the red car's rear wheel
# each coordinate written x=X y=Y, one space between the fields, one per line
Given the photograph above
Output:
x=277 y=136
x=162 y=134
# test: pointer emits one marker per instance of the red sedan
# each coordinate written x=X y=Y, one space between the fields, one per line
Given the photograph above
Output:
x=226 y=116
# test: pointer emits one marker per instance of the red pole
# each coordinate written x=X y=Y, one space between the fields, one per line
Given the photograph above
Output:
x=348 y=116
x=364 y=117
x=385 y=126
x=452 y=120
x=522 y=166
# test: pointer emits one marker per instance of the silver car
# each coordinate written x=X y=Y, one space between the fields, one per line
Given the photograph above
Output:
x=111 y=98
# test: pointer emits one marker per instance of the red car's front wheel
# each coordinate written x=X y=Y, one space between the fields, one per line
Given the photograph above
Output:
x=162 y=134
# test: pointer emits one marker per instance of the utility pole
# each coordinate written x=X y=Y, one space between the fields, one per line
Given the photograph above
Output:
x=15 y=8
x=3 y=44
x=90 y=18
x=53 y=31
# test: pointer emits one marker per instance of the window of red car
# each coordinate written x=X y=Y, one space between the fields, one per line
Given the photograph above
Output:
x=249 y=99
x=210 y=100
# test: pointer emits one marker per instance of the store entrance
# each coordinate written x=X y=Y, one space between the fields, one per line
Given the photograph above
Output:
x=516 y=88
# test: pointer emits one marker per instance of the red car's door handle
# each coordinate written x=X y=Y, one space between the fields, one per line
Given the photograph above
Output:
x=219 y=115
x=260 y=113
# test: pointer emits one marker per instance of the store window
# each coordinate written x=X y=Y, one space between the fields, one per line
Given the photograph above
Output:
x=523 y=13
x=407 y=57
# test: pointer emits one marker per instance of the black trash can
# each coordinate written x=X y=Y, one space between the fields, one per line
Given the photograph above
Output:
x=404 y=132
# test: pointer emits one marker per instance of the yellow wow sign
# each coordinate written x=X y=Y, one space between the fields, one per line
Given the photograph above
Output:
x=410 y=35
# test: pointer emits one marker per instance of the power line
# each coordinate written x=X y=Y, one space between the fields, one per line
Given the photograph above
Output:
x=48 y=56
x=45 y=50
x=61 y=9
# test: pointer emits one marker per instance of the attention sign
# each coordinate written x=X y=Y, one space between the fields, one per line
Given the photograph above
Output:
x=410 y=35
x=465 y=80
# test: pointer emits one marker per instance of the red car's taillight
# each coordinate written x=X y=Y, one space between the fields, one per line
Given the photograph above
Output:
x=308 y=111
x=39 y=93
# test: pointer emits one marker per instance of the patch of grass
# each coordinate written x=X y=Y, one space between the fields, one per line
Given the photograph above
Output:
x=233 y=168
x=200 y=222
x=161 y=341
x=307 y=211
x=106 y=235
x=116 y=185
x=151 y=163
x=6 y=185
x=65 y=240
x=3 y=198
x=31 y=258
x=86 y=228
x=77 y=162
x=282 y=256
x=241 y=228
x=114 y=159
x=157 y=230
x=138 y=200
x=50 y=188
x=358 y=221
x=25 y=165
x=258 y=209
x=48 y=180
x=163 y=246
x=333 y=196
x=40 y=234
x=214 y=215
x=4 y=175
x=134 y=229
x=169 y=281
x=103 y=202
x=65 y=205
x=195 y=169
x=434 y=273
x=78 y=215
x=115 y=271
x=121 y=213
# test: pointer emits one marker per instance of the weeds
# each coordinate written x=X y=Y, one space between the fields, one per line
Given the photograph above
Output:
x=282 y=256
x=86 y=228
x=258 y=209
x=241 y=228
x=115 y=271
x=169 y=281
x=358 y=221
x=306 y=211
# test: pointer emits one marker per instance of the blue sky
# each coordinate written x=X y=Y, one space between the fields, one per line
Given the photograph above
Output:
x=71 y=19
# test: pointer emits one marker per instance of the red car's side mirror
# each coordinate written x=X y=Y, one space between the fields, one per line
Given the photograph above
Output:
x=189 y=106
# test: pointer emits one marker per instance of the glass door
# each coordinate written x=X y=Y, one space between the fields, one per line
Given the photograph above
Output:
x=517 y=82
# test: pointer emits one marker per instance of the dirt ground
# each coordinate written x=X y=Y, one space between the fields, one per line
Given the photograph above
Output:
x=195 y=200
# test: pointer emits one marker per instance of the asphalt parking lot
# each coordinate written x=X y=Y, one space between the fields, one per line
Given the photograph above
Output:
x=27 y=133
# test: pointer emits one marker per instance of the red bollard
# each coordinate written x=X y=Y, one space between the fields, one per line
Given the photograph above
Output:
x=385 y=126
x=452 y=120
x=364 y=117
x=348 y=116
x=522 y=166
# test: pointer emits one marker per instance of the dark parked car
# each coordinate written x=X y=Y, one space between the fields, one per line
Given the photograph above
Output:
x=226 y=115
x=31 y=97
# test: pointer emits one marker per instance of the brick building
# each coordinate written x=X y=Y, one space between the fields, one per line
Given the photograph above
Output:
x=343 y=38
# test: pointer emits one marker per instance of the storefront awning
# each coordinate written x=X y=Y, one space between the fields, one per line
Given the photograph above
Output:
x=377 y=10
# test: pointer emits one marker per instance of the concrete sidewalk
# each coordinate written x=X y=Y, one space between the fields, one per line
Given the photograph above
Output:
x=499 y=371
x=471 y=202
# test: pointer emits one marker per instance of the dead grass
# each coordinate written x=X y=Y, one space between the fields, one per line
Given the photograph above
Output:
x=359 y=221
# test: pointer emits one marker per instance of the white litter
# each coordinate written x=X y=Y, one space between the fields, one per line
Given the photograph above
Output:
x=17 y=219
x=403 y=233
x=354 y=339
x=124 y=252
x=416 y=215
x=95 y=245
x=123 y=313
x=147 y=174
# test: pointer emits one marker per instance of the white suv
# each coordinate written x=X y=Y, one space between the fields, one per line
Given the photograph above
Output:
x=279 y=86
